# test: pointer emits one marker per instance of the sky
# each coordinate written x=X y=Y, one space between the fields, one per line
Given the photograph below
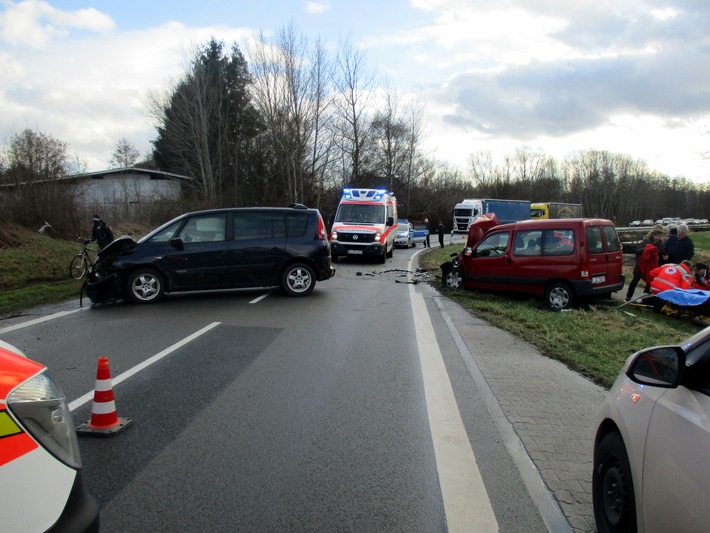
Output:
x=557 y=76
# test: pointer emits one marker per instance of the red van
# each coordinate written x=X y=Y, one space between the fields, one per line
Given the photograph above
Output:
x=561 y=259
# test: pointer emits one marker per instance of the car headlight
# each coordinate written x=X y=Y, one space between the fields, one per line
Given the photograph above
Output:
x=41 y=407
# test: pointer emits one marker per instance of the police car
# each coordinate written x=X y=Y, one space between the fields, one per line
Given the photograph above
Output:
x=40 y=466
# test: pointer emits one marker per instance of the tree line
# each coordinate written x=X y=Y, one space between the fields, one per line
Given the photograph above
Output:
x=286 y=121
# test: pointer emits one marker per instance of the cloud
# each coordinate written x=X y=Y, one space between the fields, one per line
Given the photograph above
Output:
x=317 y=7
x=554 y=68
x=93 y=89
x=35 y=23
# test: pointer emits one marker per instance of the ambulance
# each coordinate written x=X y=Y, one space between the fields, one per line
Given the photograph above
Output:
x=40 y=467
x=365 y=224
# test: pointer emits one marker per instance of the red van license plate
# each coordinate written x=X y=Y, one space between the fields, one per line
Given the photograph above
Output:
x=598 y=279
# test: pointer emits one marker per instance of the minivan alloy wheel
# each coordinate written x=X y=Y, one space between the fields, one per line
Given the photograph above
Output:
x=298 y=279
x=145 y=286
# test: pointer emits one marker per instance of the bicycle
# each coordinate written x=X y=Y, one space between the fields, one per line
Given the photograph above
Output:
x=80 y=264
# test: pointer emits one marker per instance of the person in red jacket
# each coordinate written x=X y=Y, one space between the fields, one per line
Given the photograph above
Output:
x=671 y=276
x=647 y=258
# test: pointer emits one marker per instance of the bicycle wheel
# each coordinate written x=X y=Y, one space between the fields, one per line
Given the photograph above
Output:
x=77 y=267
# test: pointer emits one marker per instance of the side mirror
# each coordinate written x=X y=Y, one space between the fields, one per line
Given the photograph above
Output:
x=177 y=243
x=660 y=366
x=390 y=221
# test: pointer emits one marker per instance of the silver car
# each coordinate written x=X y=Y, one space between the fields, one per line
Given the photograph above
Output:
x=652 y=447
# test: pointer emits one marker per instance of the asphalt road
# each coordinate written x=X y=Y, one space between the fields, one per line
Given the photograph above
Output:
x=348 y=410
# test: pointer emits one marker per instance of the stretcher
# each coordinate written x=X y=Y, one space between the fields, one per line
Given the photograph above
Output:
x=681 y=303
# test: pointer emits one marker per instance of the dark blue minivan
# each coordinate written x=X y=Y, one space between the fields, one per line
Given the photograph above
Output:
x=216 y=249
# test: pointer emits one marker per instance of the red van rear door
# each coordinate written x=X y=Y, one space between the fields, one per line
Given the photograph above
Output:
x=604 y=254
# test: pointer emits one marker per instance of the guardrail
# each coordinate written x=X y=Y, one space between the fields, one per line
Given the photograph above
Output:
x=631 y=237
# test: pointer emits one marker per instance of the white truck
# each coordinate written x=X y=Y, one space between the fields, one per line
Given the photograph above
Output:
x=365 y=224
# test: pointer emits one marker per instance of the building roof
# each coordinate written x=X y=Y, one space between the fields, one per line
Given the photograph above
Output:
x=153 y=173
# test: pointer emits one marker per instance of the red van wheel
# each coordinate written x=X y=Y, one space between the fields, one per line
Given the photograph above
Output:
x=559 y=296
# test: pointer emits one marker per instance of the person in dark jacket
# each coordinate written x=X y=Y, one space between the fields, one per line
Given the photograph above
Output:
x=647 y=256
x=680 y=247
x=441 y=230
x=100 y=232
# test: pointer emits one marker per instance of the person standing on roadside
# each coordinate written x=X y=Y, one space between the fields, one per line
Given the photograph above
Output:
x=100 y=232
x=681 y=248
x=647 y=256
x=427 y=242
x=441 y=230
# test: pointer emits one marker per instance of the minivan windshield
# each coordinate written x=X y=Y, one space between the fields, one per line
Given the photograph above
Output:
x=361 y=213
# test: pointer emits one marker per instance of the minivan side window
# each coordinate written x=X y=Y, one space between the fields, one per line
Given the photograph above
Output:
x=252 y=225
x=528 y=243
x=612 y=239
x=204 y=228
x=493 y=245
x=594 y=240
x=558 y=242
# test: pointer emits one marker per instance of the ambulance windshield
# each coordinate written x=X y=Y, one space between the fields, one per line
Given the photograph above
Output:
x=361 y=213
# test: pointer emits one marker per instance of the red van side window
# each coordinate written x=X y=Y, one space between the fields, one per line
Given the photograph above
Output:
x=558 y=242
x=595 y=245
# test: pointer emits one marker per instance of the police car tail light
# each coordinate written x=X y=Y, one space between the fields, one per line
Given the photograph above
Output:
x=40 y=406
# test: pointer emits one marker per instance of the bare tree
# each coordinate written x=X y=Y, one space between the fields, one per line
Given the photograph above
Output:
x=35 y=163
x=124 y=155
x=291 y=90
x=390 y=140
x=354 y=84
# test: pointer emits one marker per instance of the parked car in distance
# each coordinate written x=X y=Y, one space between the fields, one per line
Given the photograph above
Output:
x=421 y=232
x=651 y=460
x=217 y=249
x=405 y=234
x=559 y=259
x=634 y=223
x=40 y=464
x=647 y=222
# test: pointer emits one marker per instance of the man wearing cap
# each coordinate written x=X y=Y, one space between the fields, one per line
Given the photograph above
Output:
x=101 y=233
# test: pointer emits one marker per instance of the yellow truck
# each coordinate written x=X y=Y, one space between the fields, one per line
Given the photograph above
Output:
x=545 y=210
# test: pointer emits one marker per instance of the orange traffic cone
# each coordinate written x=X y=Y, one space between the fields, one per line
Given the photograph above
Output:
x=104 y=421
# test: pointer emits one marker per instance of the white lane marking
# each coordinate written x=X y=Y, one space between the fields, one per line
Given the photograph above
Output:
x=40 y=320
x=145 y=364
x=545 y=502
x=466 y=501
x=257 y=300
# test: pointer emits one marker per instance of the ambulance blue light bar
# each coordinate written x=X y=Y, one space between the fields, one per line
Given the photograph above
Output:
x=377 y=194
